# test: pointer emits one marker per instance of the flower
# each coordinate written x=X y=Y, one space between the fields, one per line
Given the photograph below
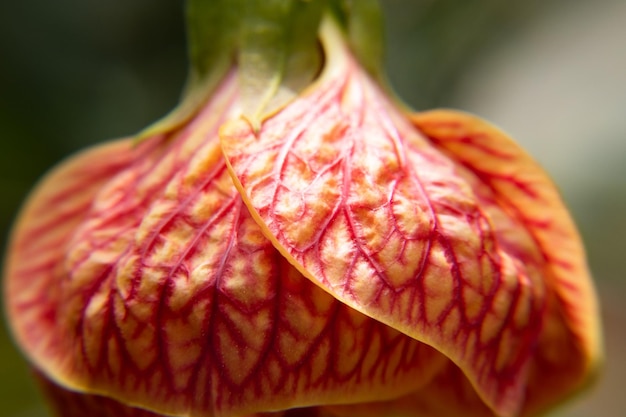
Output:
x=337 y=254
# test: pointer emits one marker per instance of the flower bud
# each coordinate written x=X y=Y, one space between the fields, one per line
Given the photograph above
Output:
x=341 y=255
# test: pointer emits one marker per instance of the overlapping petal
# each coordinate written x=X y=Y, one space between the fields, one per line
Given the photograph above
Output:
x=448 y=245
x=569 y=346
x=160 y=291
x=342 y=256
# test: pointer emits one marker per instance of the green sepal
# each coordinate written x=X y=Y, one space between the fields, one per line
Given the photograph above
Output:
x=274 y=44
x=366 y=34
x=212 y=34
x=279 y=54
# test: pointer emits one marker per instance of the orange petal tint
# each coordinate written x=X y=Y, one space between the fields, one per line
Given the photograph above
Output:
x=35 y=261
x=373 y=211
x=138 y=274
x=569 y=349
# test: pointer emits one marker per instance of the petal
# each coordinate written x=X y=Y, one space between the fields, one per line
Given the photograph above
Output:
x=570 y=347
x=161 y=292
x=40 y=237
x=75 y=404
x=368 y=209
x=448 y=395
x=68 y=403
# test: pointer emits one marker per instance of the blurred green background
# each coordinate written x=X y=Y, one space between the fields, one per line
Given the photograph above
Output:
x=552 y=73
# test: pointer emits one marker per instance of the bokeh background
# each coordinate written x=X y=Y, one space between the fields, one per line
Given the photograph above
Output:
x=550 y=72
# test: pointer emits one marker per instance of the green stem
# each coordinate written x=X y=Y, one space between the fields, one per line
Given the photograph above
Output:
x=278 y=54
x=212 y=35
x=275 y=46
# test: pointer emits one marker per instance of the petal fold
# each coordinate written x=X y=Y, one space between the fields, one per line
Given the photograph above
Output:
x=570 y=349
x=385 y=218
x=157 y=290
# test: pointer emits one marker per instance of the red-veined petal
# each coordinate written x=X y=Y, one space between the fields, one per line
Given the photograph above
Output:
x=370 y=209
